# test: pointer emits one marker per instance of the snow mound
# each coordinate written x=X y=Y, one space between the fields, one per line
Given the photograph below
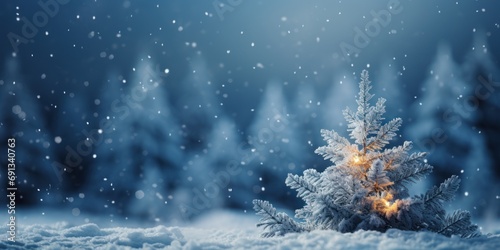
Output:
x=91 y=236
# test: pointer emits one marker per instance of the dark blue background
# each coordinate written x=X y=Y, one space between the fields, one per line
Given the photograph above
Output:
x=298 y=43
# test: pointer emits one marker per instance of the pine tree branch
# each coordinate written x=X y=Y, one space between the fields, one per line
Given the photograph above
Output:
x=415 y=158
x=445 y=192
x=385 y=134
x=350 y=117
x=274 y=223
x=377 y=177
x=346 y=190
x=359 y=125
x=378 y=111
x=458 y=223
x=394 y=153
x=267 y=211
x=304 y=213
x=305 y=185
x=409 y=174
x=332 y=137
x=364 y=96
x=335 y=148
x=326 y=207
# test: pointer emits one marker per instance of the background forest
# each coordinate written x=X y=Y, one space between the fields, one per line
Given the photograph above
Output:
x=161 y=111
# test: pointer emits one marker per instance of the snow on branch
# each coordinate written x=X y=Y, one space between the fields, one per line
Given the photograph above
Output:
x=458 y=223
x=275 y=224
x=384 y=135
x=361 y=132
x=305 y=185
x=444 y=192
x=377 y=176
x=337 y=145
x=411 y=170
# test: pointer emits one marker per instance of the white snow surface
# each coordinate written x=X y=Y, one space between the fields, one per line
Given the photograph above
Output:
x=224 y=230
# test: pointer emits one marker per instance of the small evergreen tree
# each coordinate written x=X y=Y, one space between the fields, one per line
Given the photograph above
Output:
x=367 y=186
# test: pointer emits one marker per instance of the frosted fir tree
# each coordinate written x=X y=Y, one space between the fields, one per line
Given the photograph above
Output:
x=366 y=188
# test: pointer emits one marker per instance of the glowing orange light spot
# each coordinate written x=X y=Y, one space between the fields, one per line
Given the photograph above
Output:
x=388 y=204
x=356 y=159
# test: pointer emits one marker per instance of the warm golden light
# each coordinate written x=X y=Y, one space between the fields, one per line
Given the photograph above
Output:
x=384 y=204
x=356 y=159
x=391 y=209
x=387 y=203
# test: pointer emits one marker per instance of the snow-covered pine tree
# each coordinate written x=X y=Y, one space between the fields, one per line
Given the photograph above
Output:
x=367 y=186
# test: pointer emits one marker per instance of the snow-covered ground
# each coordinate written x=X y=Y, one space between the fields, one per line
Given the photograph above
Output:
x=224 y=230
